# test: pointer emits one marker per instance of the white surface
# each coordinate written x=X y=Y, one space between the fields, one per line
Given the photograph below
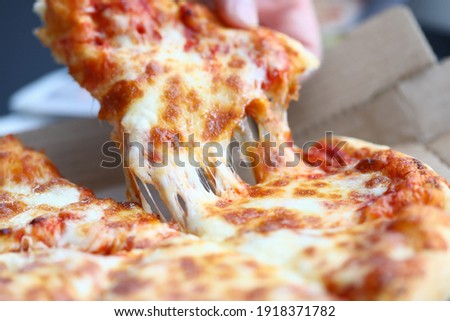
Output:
x=55 y=94
x=18 y=123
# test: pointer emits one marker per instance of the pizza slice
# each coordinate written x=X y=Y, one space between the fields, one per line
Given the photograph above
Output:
x=364 y=221
x=40 y=209
x=59 y=242
x=169 y=71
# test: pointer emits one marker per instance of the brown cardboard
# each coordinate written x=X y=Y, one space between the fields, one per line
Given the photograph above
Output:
x=381 y=84
x=375 y=120
x=440 y=147
x=429 y=100
x=371 y=60
x=75 y=147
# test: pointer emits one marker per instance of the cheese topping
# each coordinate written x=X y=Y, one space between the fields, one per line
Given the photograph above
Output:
x=168 y=70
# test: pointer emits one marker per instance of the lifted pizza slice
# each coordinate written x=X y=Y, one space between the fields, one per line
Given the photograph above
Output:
x=170 y=71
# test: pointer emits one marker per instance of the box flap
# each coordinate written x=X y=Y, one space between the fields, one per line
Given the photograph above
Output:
x=372 y=59
x=441 y=147
x=75 y=147
x=428 y=97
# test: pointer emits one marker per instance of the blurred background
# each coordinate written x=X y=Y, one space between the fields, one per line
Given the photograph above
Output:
x=23 y=60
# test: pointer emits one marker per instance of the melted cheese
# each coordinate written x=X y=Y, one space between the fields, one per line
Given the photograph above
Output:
x=58 y=196
x=61 y=243
x=169 y=68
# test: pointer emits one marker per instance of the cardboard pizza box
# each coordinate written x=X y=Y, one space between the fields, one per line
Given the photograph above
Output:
x=382 y=83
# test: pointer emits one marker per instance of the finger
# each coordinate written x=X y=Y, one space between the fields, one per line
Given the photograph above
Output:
x=296 y=18
x=238 y=13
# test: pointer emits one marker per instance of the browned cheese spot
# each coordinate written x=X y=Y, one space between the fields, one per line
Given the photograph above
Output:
x=217 y=122
x=303 y=192
x=377 y=181
x=119 y=97
x=243 y=216
x=190 y=268
x=173 y=98
x=260 y=191
x=128 y=285
x=281 y=183
x=193 y=101
x=152 y=70
x=235 y=83
x=236 y=63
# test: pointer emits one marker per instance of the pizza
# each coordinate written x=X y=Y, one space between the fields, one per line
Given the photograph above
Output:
x=363 y=221
x=59 y=242
x=167 y=70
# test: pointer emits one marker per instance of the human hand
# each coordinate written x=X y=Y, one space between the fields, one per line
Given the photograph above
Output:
x=296 y=18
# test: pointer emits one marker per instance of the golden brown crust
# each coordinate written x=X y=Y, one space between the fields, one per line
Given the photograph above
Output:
x=23 y=166
x=410 y=180
x=398 y=259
